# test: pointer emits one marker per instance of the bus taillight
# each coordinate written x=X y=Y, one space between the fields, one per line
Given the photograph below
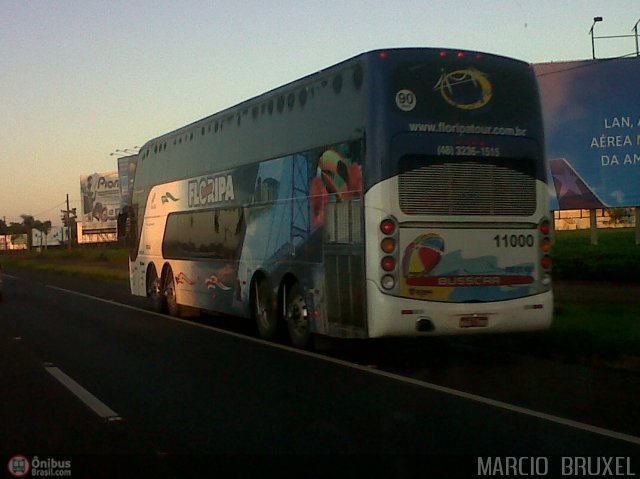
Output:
x=389 y=249
x=388 y=263
x=388 y=282
x=545 y=227
x=388 y=227
x=388 y=245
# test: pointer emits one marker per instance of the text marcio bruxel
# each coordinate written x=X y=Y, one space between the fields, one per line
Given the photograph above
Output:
x=570 y=466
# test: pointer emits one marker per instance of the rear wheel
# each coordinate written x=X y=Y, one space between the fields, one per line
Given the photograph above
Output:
x=297 y=317
x=263 y=312
x=169 y=292
x=154 y=291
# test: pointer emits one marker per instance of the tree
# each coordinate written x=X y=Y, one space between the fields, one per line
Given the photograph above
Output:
x=44 y=227
x=618 y=215
x=15 y=229
x=28 y=221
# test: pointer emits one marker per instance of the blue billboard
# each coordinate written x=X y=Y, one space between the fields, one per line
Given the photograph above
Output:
x=592 y=126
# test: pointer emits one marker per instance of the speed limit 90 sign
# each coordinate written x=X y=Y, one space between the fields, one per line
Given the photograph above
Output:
x=405 y=100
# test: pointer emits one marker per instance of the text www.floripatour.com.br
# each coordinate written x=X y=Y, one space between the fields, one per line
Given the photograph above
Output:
x=442 y=127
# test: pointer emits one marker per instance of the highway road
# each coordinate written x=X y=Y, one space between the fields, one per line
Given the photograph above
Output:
x=88 y=373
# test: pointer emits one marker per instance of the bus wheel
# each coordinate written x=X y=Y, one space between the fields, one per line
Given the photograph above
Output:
x=265 y=317
x=169 y=292
x=154 y=292
x=297 y=318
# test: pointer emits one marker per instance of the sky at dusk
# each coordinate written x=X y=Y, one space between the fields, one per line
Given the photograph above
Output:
x=81 y=79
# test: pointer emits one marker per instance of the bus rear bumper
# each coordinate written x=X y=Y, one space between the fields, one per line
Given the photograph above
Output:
x=394 y=316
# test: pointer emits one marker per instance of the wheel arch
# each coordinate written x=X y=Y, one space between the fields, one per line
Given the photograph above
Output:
x=165 y=270
x=151 y=269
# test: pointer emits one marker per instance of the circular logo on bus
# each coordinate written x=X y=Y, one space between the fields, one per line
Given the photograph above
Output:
x=467 y=89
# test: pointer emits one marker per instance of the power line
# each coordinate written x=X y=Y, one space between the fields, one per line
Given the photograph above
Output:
x=52 y=208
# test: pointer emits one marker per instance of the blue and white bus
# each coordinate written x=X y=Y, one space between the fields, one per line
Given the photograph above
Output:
x=401 y=192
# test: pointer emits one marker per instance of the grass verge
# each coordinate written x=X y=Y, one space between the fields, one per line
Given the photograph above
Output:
x=596 y=334
x=104 y=263
x=616 y=257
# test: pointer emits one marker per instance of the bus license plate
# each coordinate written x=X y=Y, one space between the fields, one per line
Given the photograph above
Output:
x=474 y=321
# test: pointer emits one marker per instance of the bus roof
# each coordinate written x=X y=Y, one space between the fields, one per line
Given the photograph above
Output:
x=295 y=84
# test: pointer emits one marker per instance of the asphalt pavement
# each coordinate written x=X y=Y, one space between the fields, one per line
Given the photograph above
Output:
x=184 y=391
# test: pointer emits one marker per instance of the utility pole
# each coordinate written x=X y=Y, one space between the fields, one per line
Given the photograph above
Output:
x=68 y=222
x=67 y=216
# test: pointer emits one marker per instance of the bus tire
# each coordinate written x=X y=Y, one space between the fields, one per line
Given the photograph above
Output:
x=265 y=316
x=169 y=292
x=154 y=291
x=297 y=317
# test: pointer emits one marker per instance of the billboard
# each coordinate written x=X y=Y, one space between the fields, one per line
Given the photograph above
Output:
x=100 y=194
x=592 y=126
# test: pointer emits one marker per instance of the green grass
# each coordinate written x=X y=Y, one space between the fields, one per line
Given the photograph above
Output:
x=616 y=257
x=590 y=332
x=102 y=262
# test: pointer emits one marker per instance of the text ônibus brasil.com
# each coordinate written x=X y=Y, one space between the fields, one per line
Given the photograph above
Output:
x=442 y=127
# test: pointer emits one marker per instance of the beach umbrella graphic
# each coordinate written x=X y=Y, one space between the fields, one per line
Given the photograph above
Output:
x=422 y=254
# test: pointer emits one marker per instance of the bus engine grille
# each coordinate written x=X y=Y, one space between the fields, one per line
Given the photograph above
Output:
x=494 y=187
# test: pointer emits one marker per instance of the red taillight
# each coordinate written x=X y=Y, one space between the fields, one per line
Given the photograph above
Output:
x=461 y=55
x=388 y=263
x=388 y=227
x=545 y=227
x=546 y=262
x=443 y=53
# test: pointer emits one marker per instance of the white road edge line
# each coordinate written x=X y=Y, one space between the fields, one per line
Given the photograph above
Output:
x=434 y=387
x=97 y=406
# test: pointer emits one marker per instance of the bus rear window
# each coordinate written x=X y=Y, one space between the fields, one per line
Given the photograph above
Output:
x=486 y=91
x=465 y=186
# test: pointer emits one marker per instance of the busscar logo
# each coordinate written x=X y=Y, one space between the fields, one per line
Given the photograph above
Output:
x=466 y=89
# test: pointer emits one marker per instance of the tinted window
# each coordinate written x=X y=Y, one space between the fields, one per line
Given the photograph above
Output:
x=213 y=234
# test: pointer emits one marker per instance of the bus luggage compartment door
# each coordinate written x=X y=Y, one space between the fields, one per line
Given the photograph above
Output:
x=344 y=269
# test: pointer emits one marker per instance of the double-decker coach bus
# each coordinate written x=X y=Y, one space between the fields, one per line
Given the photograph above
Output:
x=401 y=192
